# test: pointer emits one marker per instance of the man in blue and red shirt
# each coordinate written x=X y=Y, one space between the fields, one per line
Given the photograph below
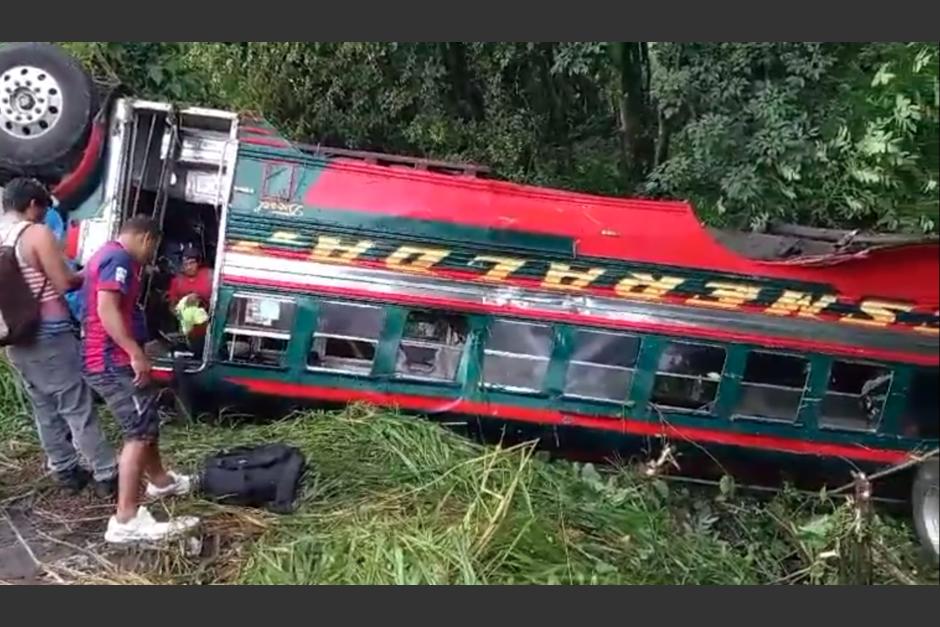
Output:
x=116 y=367
x=111 y=270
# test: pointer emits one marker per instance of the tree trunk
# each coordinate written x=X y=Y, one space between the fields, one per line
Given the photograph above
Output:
x=635 y=114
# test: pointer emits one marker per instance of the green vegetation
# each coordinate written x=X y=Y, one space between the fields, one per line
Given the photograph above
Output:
x=15 y=412
x=832 y=134
x=397 y=499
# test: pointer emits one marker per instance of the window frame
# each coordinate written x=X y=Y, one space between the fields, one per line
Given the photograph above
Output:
x=874 y=426
x=439 y=346
x=547 y=359
x=807 y=386
x=256 y=332
x=664 y=342
x=571 y=361
x=376 y=343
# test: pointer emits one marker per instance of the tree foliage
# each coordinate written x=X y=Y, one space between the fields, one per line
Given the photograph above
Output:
x=829 y=134
x=842 y=135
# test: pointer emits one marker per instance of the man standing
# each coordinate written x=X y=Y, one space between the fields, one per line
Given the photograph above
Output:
x=117 y=368
x=50 y=366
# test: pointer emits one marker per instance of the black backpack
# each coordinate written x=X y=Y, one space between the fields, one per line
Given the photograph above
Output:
x=257 y=476
x=19 y=307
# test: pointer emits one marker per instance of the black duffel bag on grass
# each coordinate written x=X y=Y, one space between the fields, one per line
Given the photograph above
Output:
x=256 y=476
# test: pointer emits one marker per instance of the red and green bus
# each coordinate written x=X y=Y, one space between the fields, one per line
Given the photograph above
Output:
x=341 y=276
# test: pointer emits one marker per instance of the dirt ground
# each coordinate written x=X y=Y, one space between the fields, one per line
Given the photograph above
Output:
x=41 y=525
x=50 y=537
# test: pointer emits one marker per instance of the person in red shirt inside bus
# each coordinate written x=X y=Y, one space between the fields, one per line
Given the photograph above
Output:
x=196 y=280
x=193 y=278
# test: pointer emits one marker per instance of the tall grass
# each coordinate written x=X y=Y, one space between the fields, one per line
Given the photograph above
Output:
x=15 y=412
x=492 y=519
x=397 y=499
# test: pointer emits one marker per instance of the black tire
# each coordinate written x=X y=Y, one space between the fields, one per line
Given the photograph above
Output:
x=924 y=499
x=49 y=154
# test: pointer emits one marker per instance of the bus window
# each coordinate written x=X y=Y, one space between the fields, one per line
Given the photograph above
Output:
x=772 y=386
x=516 y=355
x=921 y=417
x=257 y=330
x=346 y=337
x=687 y=376
x=601 y=366
x=855 y=396
x=431 y=345
x=262 y=313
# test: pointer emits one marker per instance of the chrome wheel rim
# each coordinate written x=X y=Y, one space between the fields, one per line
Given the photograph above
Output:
x=930 y=517
x=30 y=102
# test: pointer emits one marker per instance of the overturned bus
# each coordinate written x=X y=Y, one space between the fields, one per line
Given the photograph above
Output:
x=340 y=276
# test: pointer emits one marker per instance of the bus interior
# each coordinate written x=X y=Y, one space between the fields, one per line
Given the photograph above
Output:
x=178 y=169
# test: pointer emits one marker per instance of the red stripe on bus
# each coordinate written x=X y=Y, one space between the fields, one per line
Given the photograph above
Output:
x=624 y=426
x=653 y=327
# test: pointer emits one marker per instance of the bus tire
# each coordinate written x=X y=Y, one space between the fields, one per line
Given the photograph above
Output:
x=47 y=102
x=925 y=501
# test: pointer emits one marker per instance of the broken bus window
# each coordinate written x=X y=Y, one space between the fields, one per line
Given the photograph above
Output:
x=855 y=396
x=257 y=331
x=432 y=345
x=772 y=387
x=687 y=376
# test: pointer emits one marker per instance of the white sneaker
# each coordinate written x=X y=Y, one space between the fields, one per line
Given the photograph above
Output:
x=144 y=528
x=181 y=486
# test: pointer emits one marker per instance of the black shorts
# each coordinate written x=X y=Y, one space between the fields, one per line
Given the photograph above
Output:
x=134 y=408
